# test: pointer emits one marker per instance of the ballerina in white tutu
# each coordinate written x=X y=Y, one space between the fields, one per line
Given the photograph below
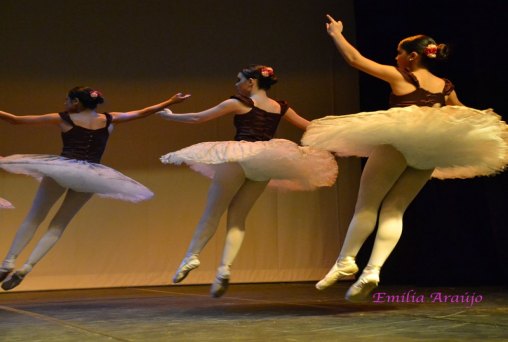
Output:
x=241 y=169
x=406 y=145
x=77 y=172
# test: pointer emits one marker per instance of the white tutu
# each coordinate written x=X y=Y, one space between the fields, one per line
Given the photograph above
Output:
x=5 y=204
x=78 y=175
x=459 y=142
x=284 y=163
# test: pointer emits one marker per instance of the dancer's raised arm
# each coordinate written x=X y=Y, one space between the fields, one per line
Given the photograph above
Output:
x=354 y=58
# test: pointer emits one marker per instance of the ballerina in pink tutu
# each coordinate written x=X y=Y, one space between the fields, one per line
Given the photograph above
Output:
x=5 y=204
x=241 y=169
x=427 y=133
x=77 y=172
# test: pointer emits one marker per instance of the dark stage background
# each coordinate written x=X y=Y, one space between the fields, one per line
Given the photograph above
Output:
x=456 y=230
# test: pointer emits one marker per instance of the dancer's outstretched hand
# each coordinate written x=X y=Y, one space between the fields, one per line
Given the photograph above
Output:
x=333 y=27
x=179 y=97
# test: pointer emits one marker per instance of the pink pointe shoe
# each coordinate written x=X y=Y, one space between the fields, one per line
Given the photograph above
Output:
x=187 y=265
x=4 y=272
x=221 y=283
x=344 y=267
x=363 y=287
x=14 y=280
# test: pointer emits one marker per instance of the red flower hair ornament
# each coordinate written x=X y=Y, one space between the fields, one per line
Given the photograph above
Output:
x=266 y=71
x=430 y=51
x=95 y=94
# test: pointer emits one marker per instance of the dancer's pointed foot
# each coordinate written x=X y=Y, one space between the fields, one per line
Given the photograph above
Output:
x=221 y=283
x=14 y=280
x=362 y=288
x=4 y=272
x=188 y=264
x=343 y=268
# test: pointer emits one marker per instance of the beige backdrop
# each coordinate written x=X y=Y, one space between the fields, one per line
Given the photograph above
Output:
x=139 y=53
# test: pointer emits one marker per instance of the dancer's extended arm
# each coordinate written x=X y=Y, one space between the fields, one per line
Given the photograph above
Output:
x=43 y=119
x=119 y=117
x=230 y=106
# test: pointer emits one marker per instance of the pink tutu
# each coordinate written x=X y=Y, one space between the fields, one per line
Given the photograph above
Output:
x=78 y=175
x=5 y=204
x=456 y=141
x=284 y=163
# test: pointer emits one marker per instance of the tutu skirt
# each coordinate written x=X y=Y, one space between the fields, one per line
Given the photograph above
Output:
x=456 y=141
x=284 y=163
x=5 y=204
x=78 y=175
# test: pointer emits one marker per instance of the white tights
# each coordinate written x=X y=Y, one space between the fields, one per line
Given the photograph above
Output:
x=48 y=193
x=387 y=187
x=232 y=191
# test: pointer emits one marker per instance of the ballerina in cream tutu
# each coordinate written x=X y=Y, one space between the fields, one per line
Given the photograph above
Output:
x=241 y=169
x=77 y=172
x=427 y=133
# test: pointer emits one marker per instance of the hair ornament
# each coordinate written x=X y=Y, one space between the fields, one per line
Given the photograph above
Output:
x=430 y=51
x=95 y=94
x=266 y=71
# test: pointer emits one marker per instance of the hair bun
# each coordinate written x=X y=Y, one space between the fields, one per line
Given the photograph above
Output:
x=89 y=97
x=442 y=51
x=97 y=96
x=264 y=74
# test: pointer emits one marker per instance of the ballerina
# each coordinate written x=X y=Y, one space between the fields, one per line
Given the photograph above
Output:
x=427 y=133
x=5 y=204
x=241 y=169
x=77 y=172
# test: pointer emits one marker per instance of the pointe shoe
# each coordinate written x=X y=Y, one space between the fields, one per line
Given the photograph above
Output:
x=14 y=280
x=221 y=282
x=342 y=268
x=361 y=289
x=187 y=265
x=4 y=272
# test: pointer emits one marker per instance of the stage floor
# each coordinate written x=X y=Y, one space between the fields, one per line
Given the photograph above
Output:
x=255 y=312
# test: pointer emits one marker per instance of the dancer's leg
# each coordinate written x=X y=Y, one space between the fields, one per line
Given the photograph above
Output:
x=48 y=193
x=383 y=168
x=226 y=182
x=228 y=179
x=391 y=213
x=389 y=229
x=72 y=203
x=240 y=206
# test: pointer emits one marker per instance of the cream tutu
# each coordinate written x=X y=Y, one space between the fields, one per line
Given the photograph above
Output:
x=78 y=175
x=459 y=142
x=5 y=204
x=284 y=163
